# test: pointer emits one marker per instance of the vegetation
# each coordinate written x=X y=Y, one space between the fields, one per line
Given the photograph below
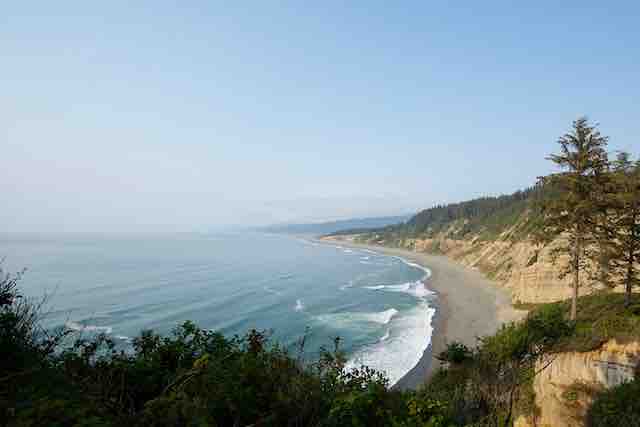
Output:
x=487 y=217
x=618 y=406
x=601 y=317
x=491 y=383
x=621 y=232
x=572 y=211
x=486 y=214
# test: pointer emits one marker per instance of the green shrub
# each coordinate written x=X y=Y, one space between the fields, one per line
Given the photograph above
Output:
x=618 y=406
x=601 y=317
x=456 y=353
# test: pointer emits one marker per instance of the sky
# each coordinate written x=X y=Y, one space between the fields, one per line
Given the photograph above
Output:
x=191 y=116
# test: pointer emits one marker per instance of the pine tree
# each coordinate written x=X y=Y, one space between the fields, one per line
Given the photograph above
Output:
x=572 y=208
x=621 y=239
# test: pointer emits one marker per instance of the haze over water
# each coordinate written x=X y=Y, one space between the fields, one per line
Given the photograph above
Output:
x=232 y=282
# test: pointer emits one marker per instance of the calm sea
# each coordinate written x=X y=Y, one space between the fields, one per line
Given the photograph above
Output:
x=231 y=282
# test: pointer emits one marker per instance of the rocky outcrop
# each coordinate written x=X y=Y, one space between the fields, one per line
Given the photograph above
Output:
x=564 y=390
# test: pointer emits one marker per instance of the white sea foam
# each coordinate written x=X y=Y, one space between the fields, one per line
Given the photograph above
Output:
x=404 y=343
x=75 y=326
x=347 y=286
x=299 y=305
x=356 y=320
x=308 y=242
x=418 y=266
x=271 y=290
x=401 y=348
x=348 y=251
x=383 y=317
x=364 y=258
x=123 y=337
x=417 y=289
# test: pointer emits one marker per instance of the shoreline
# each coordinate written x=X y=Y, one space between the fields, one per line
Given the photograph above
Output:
x=468 y=306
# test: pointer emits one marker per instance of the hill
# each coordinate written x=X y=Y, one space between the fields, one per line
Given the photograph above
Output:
x=330 y=227
x=483 y=217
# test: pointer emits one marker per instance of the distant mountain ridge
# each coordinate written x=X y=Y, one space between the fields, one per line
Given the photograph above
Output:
x=330 y=227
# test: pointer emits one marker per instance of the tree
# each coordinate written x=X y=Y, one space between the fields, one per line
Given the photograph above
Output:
x=621 y=239
x=572 y=210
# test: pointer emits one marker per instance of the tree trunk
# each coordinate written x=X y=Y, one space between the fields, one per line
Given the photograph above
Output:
x=576 y=280
x=631 y=261
x=627 y=293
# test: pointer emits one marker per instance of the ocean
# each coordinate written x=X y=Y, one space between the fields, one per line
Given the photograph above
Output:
x=231 y=282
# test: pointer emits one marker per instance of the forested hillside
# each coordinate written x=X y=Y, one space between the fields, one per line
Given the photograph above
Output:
x=486 y=217
x=335 y=226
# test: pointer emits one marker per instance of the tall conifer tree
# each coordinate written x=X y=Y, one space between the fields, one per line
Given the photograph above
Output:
x=572 y=208
x=621 y=237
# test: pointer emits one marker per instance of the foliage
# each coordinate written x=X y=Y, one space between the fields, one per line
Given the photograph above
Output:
x=487 y=216
x=456 y=353
x=618 y=406
x=489 y=384
x=573 y=211
x=602 y=316
x=25 y=347
x=621 y=231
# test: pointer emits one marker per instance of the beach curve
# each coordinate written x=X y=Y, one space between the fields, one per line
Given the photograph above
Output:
x=468 y=306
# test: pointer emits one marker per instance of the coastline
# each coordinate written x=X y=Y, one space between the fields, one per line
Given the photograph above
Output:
x=468 y=306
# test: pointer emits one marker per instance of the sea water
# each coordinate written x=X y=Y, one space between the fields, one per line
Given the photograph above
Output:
x=232 y=282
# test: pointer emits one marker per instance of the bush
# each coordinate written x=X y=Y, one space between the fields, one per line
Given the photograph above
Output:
x=456 y=353
x=618 y=406
x=602 y=316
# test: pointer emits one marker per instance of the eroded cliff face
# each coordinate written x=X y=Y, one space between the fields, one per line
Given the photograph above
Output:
x=565 y=389
x=528 y=271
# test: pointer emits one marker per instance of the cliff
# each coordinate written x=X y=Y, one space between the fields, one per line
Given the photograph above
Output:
x=509 y=256
x=491 y=234
x=525 y=269
x=565 y=389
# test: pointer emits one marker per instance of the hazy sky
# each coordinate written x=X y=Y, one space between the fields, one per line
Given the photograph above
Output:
x=163 y=116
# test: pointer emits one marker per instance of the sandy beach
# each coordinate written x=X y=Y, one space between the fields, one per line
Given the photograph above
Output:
x=469 y=306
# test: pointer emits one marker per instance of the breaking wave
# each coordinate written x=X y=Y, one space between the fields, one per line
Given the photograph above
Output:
x=350 y=320
x=417 y=289
x=407 y=338
x=402 y=346
x=75 y=326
